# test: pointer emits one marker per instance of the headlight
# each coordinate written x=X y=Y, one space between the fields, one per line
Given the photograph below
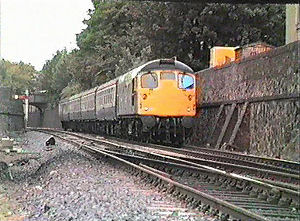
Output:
x=188 y=109
x=146 y=108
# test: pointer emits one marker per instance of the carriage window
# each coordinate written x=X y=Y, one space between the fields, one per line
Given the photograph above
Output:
x=186 y=81
x=149 y=80
x=167 y=76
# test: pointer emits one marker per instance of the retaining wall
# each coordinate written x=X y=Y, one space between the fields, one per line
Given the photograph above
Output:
x=49 y=119
x=11 y=112
x=270 y=125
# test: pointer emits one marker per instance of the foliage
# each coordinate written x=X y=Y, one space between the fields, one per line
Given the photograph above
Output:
x=122 y=35
x=113 y=43
x=71 y=89
x=18 y=76
x=57 y=74
x=127 y=32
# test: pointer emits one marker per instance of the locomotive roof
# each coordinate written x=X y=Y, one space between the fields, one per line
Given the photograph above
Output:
x=166 y=64
x=159 y=64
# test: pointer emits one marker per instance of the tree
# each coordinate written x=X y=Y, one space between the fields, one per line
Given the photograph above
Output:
x=56 y=75
x=122 y=35
x=18 y=76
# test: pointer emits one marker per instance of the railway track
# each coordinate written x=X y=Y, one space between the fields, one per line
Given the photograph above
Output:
x=277 y=175
x=288 y=179
x=226 y=195
x=272 y=164
x=266 y=173
x=267 y=163
x=285 y=165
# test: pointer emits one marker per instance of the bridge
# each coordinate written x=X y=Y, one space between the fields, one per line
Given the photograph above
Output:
x=38 y=100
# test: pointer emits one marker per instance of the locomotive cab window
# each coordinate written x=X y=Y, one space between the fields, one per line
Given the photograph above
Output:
x=185 y=81
x=149 y=80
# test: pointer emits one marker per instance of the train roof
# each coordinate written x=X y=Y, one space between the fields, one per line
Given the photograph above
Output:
x=159 y=64
x=166 y=64
x=74 y=97
x=87 y=92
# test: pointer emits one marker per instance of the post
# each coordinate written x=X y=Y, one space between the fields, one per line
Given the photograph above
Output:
x=26 y=107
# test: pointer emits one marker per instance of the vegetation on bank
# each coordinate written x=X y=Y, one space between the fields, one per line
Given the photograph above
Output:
x=18 y=76
x=122 y=35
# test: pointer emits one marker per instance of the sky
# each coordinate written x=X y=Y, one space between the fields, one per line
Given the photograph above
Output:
x=33 y=30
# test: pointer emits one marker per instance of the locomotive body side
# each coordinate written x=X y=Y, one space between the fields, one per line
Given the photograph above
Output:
x=126 y=95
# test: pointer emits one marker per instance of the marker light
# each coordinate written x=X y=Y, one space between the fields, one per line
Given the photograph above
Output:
x=144 y=96
x=190 y=97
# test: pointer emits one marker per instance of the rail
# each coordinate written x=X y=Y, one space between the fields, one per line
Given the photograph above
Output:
x=224 y=194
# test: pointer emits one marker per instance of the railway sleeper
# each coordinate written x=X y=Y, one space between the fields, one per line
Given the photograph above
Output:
x=214 y=212
x=263 y=195
x=255 y=191
x=273 y=196
x=224 y=217
x=205 y=208
x=195 y=203
x=240 y=185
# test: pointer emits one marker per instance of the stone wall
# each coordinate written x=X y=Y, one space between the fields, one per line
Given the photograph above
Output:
x=270 y=126
x=274 y=129
x=272 y=73
x=11 y=112
x=49 y=119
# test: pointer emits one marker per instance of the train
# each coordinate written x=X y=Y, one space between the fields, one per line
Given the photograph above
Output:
x=155 y=102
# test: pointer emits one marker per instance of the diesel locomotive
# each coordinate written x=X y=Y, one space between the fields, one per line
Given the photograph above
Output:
x=153 y=102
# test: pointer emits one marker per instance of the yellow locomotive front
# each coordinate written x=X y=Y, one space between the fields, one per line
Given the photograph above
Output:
x=166 y=100
x=157 y=101
x=166 y=93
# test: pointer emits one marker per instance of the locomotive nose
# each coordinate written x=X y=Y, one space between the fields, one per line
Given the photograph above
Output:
x=167 y=100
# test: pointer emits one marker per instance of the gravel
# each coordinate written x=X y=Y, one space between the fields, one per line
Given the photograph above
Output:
x=68 y=184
